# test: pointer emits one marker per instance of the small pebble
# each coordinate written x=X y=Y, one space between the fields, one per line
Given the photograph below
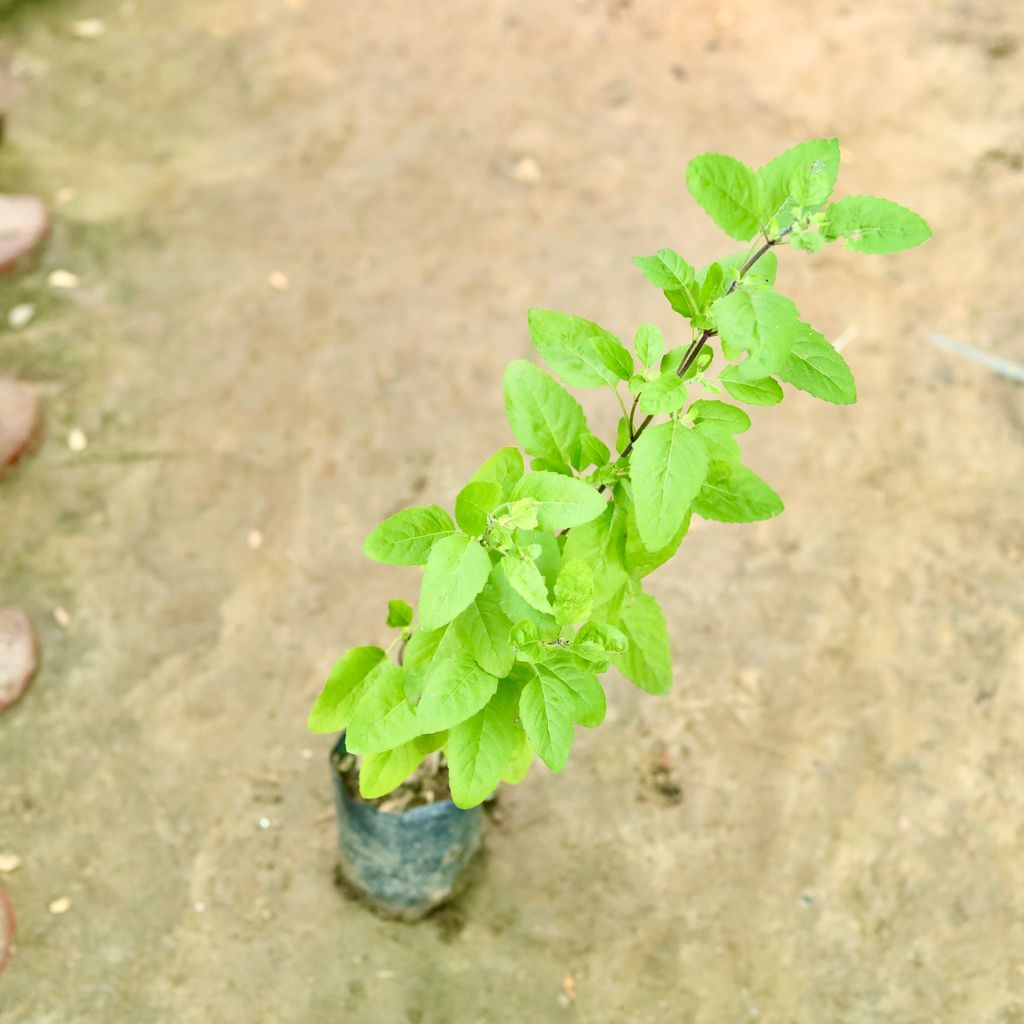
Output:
x=278 y=281
x=526 y=170
x=255 y=540
x=88 y=28
x=61 y=617
x=77 y=441
x=306 y=754
x=200 y=907
x=60 y=906
x=569 y=988
x=9 y=862
x=21 y=315
x=264 y=823
x=63 y=279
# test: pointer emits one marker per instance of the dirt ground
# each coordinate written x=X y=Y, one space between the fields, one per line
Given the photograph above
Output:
x=847 y=721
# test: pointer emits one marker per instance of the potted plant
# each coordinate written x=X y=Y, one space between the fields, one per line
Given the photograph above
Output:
x=534 y=589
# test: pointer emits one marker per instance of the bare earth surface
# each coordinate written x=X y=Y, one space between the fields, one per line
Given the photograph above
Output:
x=847 y=722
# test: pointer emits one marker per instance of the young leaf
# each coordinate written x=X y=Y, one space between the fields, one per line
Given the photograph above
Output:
x=503 y=468
x=399 y=614
x=455 y=689
x=600 y=544
x=344 y=688
x=727 y=190
x=516 y=607
x=735 y=494
x=875 y=225
x=667 y=467
x=719 y=444
x=407 y=537
x=383 y=718
x=666 y=393
x=588 y=698
x=607 y=637
x=381 y=773
x=648 y=344
x=803 y=176
x=583 y=354
x=763 y=323
x=456 y=572
x=647 y=661
x=545 y=418
x=574 y=592
x=480 y=748
x=667 y=270
x=593 y=452
x=752 y=392
x=526 y=579
x=720 y=415
x=764 y=271
x=562 y=501
x=816 y=367
x=547 y=708
x=483 y=629
x=473 y=504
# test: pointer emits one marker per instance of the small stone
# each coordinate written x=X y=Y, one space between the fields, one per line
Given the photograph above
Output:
x=63 y=279
x=306 y=754
x=21 y=420
x=200 y=906
x=61 y=617
x=255 y=540
x=19 y=655
x=77 y=441
x=60 y=906
x=264 y=823
x=569 y=988
x=750 y=678
x=526 y=170
x=9 y=862
x=21 y=315
x=88 y=28
x=278 y=281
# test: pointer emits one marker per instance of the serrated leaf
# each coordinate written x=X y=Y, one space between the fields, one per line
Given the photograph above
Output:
x=583 y=354
x=589 y=704
x=525 y=578
x=455 y=689
x=473 y=504
x=456 y=572
x=483 y=629
x=816 y=367
x=399 y=614
x=479 y=749
x=765 y=391
x=343 y=690
x=735 y=494
x=609 y=638
x=762 y=323
x=727 y=190
x=648 y=344
x=666 y=393
x=546 y=420
x=381 y=773
x=383 y=718
x=503 y=468
x=667 y=468
x=647 y=661
x=407 y=537
x=874 y=225
x=720 y=415
x=667 y=270
x=574 y=592
x=803 y=176
x=547 y=708
x=562 y=501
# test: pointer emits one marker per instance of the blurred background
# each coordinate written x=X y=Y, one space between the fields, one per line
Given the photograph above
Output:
x=293 y=245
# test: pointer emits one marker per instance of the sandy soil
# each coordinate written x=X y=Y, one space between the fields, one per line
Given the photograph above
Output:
x=847 y=723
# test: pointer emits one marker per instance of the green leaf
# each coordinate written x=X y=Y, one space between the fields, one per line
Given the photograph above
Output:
x=344 y=688
x=407 y=537
x=713 y=280
x=519 y=763
x=647 y=661
x=727 y=190
x=574 y=592
x=637 y=559
x=719 y=445
x=583 y=354
x=480 y=748
x=666 y=393
x=455 y=689
x=588 y=698
x=600 y=544
x=399 y=614
x=562 y=501
x=456 y=572
x=763 y=323
x=383 y=719
x=547 y=708
x=816 y=367
x=503 y=468
x=605 y=636
x=383 y=772
x=526 y=579
x=803 y=176
x=483 y=629
x=667 y=270
x=667 y=467
x=473 y=504
x=546 y=420
x=543 y=548
x=765 y=391
x=764 y=271
x=593 y=452
x=515 y=606
x=875 y=225
x=735 y=494
x=648 y=344
x=720 y=415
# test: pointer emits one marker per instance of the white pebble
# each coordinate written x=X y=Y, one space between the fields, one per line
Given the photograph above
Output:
x=9 y=862
x=278 y=281
x=264 y=823
x=255 y=539
x=63 y=279
x=200 y=907
x=60 y=906
x=61 y=616
x=77 y=441
x=88 y=28
x=306 y=754
x=21 y=315
x=526 y=170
